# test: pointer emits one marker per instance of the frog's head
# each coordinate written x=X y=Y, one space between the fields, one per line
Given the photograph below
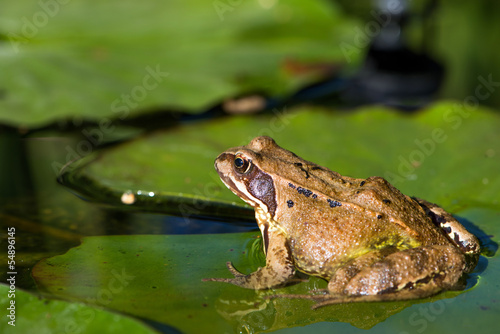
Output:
x=244 y=171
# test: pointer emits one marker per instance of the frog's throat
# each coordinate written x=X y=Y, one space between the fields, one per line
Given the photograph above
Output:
x=266 y=225
x=262 y=215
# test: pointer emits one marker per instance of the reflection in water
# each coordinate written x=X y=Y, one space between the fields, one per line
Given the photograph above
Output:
x=254 y=313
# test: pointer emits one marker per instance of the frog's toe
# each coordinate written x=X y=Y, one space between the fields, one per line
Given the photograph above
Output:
x=312 y=296
x=237 y=280
x=324 y=298
x=332 y=300
x=233 y=270
x=319 y=292
x=297 y=280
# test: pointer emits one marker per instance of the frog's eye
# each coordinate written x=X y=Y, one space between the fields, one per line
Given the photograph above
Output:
x=242 y=165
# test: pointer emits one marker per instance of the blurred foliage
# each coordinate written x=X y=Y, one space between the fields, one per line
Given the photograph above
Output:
x=118 y=58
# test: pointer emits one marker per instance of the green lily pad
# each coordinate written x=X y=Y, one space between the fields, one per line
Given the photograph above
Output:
x=116 y=58
x=28 y=312
x=160 y=278
x=444 y=154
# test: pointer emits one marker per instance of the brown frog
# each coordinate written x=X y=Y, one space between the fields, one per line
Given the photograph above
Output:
x=364 y=236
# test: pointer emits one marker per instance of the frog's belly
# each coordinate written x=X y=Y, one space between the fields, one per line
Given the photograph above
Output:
x=320 y=251
x=317 y=259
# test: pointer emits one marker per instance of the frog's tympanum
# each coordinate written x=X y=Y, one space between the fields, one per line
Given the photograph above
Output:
x=364 y=236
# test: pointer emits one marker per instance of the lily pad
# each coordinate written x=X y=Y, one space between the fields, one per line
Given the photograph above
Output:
x=160 y=278
x=447 y=154
x=113 y=59
x=54 y=316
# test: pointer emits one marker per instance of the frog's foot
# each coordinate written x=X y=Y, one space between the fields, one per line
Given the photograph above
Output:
x=342 y=299
x=323 y=298
x=419 y=292
x=264 y=278
x=316 y=295
x=296 y=280
x=456 y=232
x=238 y=279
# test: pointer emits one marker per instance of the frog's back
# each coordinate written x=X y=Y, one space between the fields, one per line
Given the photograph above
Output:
x=395 y=208
x=321 y=207
x=340 y=223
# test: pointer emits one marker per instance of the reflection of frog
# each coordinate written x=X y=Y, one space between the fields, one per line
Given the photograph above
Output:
x=368 y=239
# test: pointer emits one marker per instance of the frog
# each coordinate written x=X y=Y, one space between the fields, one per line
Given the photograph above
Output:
x=367 y=239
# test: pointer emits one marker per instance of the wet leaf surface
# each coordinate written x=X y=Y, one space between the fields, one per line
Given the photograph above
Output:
x=55 y=316
x=160 y=278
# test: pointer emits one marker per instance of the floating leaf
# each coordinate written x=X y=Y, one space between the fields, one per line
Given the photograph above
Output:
x=160 y=278
x=33 y=313
x=446 y=154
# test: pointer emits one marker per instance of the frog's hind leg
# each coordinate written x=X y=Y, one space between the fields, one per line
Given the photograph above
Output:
x=331 y=299
x=390 y=274
x=408 y=274
x=393 y=296
x=340 y=277
x=451 y=227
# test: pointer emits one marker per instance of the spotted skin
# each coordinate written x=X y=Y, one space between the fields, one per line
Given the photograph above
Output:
x=370 y=241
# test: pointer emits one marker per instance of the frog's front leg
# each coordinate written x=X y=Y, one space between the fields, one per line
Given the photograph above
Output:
x=279 y=267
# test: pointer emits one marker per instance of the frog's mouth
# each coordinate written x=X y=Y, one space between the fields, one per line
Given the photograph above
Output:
x=223 y=166
x=231 y=186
